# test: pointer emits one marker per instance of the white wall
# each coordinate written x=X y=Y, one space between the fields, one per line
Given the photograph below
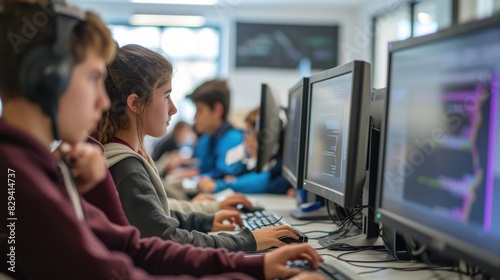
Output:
x=355 y=42
x=354 y=22
x=246 y=82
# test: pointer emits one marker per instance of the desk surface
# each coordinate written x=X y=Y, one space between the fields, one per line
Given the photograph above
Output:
x=282 y=205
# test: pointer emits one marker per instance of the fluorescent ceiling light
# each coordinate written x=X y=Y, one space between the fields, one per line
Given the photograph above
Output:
x=167 y=20
x=178 y=2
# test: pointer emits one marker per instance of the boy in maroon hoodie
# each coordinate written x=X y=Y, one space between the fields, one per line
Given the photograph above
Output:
x=51 y=83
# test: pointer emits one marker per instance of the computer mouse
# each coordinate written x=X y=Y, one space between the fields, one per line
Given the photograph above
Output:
x=246 y=209
x=288 y=240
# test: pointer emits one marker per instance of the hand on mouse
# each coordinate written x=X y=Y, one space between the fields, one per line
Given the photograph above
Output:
x=269 y=236
x=226 y=215
x=275 y=261
x=233 y=200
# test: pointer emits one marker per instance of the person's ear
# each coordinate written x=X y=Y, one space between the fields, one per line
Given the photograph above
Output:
x=218 y=109
x=133 y=103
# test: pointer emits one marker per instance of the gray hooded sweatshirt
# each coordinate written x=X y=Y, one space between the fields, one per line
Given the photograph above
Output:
x=147 y=207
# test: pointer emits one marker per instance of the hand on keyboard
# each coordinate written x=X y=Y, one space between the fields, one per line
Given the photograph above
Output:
x=262 y=219
x=232 y=217
x=275 y=262
x=269 y=237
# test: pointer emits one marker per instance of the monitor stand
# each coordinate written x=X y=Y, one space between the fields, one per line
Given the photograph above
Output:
x=369 y=236
x=318 y=214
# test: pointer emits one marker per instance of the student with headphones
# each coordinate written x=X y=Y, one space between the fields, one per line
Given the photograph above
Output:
x=51 y=84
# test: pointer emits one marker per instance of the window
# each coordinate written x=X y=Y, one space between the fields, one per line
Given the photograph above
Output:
x=430 y=16
x=391 y=25
x=394 y=23
x=195 y=56
x=471 y=10
x=194 y=53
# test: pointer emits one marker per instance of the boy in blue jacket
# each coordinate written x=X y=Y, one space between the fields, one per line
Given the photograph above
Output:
x=220 y=149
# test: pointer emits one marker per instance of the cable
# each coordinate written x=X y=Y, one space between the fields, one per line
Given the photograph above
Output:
x=426 y=267
x=330 y=255
x=339 y=257
x=369 y=207
x=321 y=248
x=334 y=219
x=350 y=219
x=347 y=218
x=412 y=246
x=311 y=222
x=316 y=231
x=275 y=222
x=470 y=270
x=365 y=206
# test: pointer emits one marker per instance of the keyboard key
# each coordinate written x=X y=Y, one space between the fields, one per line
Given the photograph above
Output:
x=260 y=219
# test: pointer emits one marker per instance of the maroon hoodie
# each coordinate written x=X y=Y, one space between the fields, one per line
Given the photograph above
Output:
x=44 y=239
x=105 y=197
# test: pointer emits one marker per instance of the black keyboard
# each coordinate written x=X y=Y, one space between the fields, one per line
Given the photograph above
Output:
x=326 y=270
x=260 y=219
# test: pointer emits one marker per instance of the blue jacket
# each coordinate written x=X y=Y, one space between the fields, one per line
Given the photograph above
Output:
x=221 y=154
x=270 y=181
x=252 y=182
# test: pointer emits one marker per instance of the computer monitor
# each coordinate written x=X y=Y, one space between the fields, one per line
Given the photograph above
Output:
x=337 y=134
x=295 y=134
x=310 y=206
x=439 y=178
x=269 y=129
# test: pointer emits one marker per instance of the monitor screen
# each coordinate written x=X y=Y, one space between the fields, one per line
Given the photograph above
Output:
x=295 y=130
x=269 y=128
x=338 y=129
x=441 y=166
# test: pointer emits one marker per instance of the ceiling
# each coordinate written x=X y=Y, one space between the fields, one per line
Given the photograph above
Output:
x=353 y=3
x=118 y=11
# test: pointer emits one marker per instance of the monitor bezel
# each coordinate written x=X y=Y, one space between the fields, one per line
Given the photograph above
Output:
x=424 y=234
x=359 y=127
x=266 y=91
x=296 y=178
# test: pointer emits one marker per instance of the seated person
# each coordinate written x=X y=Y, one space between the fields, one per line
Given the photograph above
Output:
x=75 y=240
x=269 y=181
x=142 y=106
x=176 y=149
x=220 y=149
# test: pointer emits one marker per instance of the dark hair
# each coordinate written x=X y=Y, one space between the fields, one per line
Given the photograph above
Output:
x=138 y=70
x=212 y=92
x=15 y=16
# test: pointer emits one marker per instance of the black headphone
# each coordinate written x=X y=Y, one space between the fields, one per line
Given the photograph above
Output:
x=45 y=71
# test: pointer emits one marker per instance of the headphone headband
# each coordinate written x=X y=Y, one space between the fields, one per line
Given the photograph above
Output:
x=45 y=70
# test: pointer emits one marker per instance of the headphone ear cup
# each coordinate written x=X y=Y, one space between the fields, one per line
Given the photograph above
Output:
x=44 y=77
